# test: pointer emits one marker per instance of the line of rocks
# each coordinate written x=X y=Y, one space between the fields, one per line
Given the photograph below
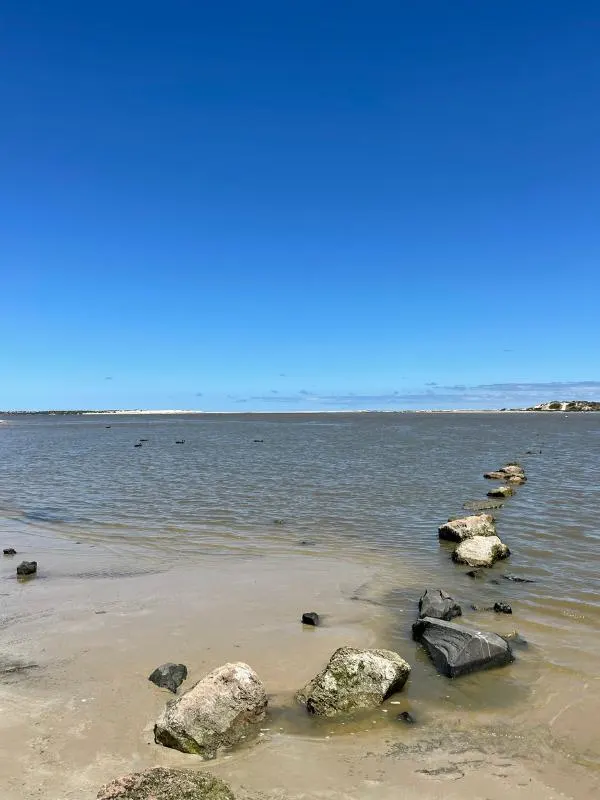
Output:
x=228 y=705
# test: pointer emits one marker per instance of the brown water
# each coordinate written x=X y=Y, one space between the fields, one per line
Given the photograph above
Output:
x=166 y=537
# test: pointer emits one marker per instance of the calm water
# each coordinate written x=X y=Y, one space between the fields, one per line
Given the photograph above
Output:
x=365 y=485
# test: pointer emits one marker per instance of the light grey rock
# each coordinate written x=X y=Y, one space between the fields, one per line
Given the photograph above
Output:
x=494 y=476
x=436 y=603
x=513 y=469
x=354 y=679
x=456 y=530
x=169 y=676
x=500 y=491
x=480 y=551
x=457 y=650
x=217 y=713
x=161 y=783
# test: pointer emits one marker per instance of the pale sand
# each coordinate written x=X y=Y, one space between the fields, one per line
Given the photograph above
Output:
x=85 y=714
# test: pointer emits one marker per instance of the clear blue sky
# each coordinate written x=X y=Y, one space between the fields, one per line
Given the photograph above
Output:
x=249 y=205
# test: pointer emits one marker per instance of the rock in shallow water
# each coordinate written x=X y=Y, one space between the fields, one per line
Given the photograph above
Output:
x=27 y=568
x=481 y=551
x=9 y=551
x=456 y=650
x=169 y=676
x=500 y=491
x=216 y=713
x=310 y=618
x=482 y=505
x=354 y=679
x=436 y=603
x=457 y=530
x=166 y=784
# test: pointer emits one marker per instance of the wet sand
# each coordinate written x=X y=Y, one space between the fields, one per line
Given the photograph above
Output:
x=78 y=642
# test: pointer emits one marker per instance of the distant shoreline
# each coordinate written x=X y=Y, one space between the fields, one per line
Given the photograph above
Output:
x=183 y=412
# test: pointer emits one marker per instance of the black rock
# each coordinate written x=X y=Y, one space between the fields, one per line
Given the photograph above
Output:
x=139 y=444
x=475 y=573
x=258 y=441
x=306 y=543
x=310 y=618
x=456 y=650
x=515 y=639
x=107 y=426
x=502 y=608
x=144 y=440
x=180 y=441
x=27 y=568
x=406 y=716
x=439 y=605
x=169 y=676
x=516 y=579
x=9 y=551
x=278 y=522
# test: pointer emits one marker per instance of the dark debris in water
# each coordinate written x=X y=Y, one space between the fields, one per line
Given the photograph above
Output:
x=482 y=505
x=517 y=579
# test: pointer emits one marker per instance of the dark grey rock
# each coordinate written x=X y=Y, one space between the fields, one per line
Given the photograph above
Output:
x=27 y=568
x=475 y=573
x=515 y=639
x=482 y=505
x=169 y=676
x=516 y=579
x=439 y=605
x=406 y=716
x=502 y=608
x=500 y=491
x=456 y=650
x=9 y=551
x=310 y=618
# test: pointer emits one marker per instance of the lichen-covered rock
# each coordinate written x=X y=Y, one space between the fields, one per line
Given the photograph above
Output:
x=494 y=476
x=456 y=530
x=513 y=469
x=217 y=713
x=516 y=480
x=354 y=679
x=166 y=784
x=482 y=505
x=439 y=605
x=457 y=650
x=480 y=551
x=500 y=491
x=169 y=676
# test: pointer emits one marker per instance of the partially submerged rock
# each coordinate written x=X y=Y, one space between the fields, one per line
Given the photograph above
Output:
x=169 y=676
x=310 y=618
x=480 y=551
x=502 y=608
x=216 y=713
x=456 y=530
x=9 y=551
x=513 y=468
x=457 y=650
x=516 y=480
x=500 y=491
x=436 y=603
x=27 y=568
x=482 y=505
x=494 y=476
x=353 y=680
x=161 y=783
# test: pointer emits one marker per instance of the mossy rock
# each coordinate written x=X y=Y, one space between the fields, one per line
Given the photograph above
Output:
x=160 y=783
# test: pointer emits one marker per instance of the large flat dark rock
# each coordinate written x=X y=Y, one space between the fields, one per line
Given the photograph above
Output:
x=456 y=650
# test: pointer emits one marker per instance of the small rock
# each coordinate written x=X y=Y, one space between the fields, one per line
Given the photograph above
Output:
x=179 y=441
x=482 y=505
x=457 y=650
x=139 y=444
x=475 y=573
x=500 y=491
x=513 y=469
x=515 y=639
x=502 y=608
x=9 y=551
x=306 y=543
x=161 y=783
x=310 y=618
x=406 y=716
x=354 y=679
x=494 y=476
x=516 y=579
x=218 y=712
x=456 y=530
x=480 y=551
x=27 y=568
x=278 y=522
x=516 y=480
x=258 y=441
x=436 y=603
x=169 y=676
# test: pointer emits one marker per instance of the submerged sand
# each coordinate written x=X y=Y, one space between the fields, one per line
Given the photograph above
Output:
x=78 y=642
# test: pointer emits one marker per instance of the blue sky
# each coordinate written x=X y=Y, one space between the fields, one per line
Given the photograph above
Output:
x=291 y=205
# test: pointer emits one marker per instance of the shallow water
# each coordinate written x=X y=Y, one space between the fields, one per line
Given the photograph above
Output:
x=370 y=489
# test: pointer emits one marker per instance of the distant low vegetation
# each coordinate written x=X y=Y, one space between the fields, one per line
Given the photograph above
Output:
x=567 y=405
